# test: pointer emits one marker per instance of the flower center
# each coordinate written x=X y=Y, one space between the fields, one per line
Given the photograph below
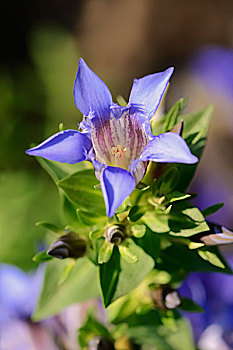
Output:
x=118 y=140
x=119 y=151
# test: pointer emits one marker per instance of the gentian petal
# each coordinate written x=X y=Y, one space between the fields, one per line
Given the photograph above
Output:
x=90 y=92
x=168 y=148
x=68 y=146
x=116 y=185
x=148 y=91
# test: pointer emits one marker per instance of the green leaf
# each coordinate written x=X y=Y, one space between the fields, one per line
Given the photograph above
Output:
x=177 y=196
x=136 y=212
x=150 y=243
x=70 y=264
x=118 y=277
x=41 y=257
x=138 y=231
x=183 y=220
x=213 y=256
x=162 y=338
x=156 y=222
x=91 y=220
x=172 y=116
x=195 y=245
x=80 y=285
x=167 y=182
x=105 y=252
x=178 y=258
x=126 y=250
x=79 y=188
x=71 y=218
x=96 y=234
x=49 y=226
x=212 y=209
x=94 y=249
x=189 y=305
x=58 y=170
x=195 y=133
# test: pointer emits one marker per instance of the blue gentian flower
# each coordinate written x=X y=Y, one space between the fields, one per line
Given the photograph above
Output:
x=213 y=291
x=117 y=140
x=19 y=292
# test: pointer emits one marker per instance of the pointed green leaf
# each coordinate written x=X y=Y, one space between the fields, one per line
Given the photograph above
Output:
x=80 y=285
x=150 y=243
x=70 y=264
x=195 y=133
x=172 y=116
x=149 y=336
x=136 y=213
x=105 y=252
x=212 y=209
x=189 y=305
x=183 y=220
x=195 y=245
x=178 y=257
x=177 y=196
x=58 y=170
x=96 y=234
x=72 y=217
x=166 y=183
x=138 y=231
x=211 y=255
x=49 y=226
x=79 y=188
x=41 y=257
x=126 y=250
x=118 y=277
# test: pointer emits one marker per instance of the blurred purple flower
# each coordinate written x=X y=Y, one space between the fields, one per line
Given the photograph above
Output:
x=213 y=291
x=19 y=292
x=214 y=66
x=117 y=140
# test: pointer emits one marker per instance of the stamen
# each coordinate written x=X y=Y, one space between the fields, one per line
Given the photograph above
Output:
x=119 y=151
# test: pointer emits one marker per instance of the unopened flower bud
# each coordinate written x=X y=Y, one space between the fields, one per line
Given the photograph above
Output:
x=216 y=235
x=115 y=234
x=165 y=299
x=68 y=246
x=100 y=343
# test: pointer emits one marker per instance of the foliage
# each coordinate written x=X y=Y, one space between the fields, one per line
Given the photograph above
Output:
x=137 y=258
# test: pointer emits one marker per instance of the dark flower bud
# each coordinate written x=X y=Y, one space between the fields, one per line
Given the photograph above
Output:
x=165 y=298
x=68 y=246
x=115 y=234
x=100 y=343
x=157 y=297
